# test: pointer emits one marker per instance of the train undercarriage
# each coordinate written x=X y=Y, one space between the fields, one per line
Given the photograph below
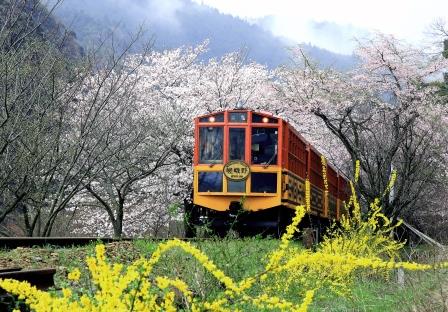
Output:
x=270 y=222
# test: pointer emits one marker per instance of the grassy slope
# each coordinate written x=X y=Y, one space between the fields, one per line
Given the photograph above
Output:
x=241 y=258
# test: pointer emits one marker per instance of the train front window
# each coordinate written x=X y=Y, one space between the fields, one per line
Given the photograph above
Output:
x=263 y=119
x=238 y=117
x=264 y=147
x=210 y=181
x=213 y=118
x=236 y=186
x=263 y=182
x=237 y=138
x=211 y=145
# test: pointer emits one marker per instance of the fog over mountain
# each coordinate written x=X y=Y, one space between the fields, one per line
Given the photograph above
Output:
x=174 y=23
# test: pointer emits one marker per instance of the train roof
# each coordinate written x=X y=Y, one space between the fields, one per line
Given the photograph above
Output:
x=240 y=110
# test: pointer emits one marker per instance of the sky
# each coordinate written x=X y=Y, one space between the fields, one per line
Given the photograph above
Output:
x=333 y=24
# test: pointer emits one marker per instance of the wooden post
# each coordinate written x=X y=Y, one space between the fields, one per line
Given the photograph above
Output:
x=308 y=238
x=400 y=277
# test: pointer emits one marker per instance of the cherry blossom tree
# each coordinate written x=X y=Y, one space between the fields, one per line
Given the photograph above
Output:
x=231 y=82
x=56 y=117
x=152 y=175
x=32 y=64
x=87 y=114
x=438 y=34
x=146 y=138
x=383 y=113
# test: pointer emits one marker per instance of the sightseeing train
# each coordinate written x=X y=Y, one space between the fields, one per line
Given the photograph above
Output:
x=249 y=174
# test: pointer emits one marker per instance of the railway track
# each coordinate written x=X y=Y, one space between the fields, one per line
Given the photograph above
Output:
x=14 y=242
x=42 y=279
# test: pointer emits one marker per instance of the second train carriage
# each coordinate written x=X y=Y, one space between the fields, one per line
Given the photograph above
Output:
x=249 y=174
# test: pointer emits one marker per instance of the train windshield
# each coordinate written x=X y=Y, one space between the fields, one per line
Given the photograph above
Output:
x=237 y=138
x=211 y=145
x=264 y=145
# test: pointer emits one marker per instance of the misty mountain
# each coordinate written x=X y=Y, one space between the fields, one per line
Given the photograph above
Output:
x=28 y=16
x=173 y=23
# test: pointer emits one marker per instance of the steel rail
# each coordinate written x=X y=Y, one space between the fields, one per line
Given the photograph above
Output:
x=14 y=242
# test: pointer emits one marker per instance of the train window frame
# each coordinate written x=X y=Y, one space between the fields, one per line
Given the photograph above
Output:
x=201 y=160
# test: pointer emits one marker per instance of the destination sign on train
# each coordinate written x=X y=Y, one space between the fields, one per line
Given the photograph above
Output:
x=236 y=170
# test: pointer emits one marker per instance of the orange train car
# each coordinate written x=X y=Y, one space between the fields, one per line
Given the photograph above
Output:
x=249 y=173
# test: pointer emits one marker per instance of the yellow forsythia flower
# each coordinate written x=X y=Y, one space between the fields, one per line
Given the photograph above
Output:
x=74 y=275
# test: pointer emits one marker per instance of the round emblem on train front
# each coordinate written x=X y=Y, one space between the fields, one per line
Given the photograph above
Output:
x=236 y=170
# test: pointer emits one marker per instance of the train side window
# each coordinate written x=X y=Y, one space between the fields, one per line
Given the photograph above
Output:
x=211 y=145
x=264 y=146
x=210 y=181
x=237 y=137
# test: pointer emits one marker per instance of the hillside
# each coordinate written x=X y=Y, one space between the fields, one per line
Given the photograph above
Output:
x=183 y=22
x=47 y=28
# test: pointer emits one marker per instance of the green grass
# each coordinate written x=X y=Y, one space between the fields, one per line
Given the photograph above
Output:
x=237 y=258
x=369 y=295
x=423 y=291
